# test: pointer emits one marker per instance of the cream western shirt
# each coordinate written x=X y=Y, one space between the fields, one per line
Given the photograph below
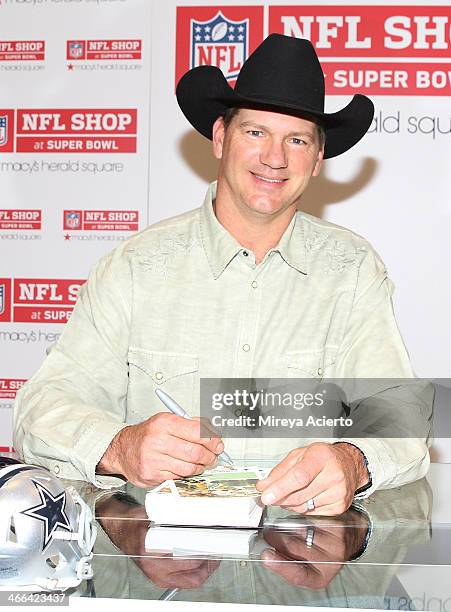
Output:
x=183 y=300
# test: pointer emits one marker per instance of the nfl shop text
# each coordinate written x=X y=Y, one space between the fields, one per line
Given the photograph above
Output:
x=351 y=31
x=376 y=50
x=68 y=130
x=37 y=300
x=10 y=386
x=22 y=50
x=20 y=219
x=101 y=220
x=388 y=37
x=105 y=55
x=104 y=49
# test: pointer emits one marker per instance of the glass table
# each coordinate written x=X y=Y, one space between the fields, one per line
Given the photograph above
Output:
x=390 y=551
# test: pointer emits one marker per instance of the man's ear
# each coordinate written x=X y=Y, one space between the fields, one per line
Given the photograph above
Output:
x=218 y=137
x=319 y=161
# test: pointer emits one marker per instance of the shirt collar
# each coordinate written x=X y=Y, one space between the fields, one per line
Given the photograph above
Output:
x=221 y=247
x=291 y=246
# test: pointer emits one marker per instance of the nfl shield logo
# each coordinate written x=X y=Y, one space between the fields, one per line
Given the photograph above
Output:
x=76 y=49
x=2 y=298
x=72 y=220
x=220 y=42
x=3 y=130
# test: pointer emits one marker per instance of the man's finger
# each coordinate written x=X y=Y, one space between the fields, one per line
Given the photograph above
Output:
x=150 y=483
x=278 y=471
x=195 y=578
x=327 y=503
x=174 y=573
x=182 y=566
x=206 y=428
x=299 y=574
x=190 y=429
x=332 y=509
x=298 y=477
x=295 y=546
x=183 y=469
x=315 y=490
x=191 y=452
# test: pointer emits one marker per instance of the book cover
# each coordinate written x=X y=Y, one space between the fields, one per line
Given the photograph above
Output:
x=223 y=496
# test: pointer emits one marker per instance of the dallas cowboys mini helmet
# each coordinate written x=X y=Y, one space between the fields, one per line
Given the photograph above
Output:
x=46 y=531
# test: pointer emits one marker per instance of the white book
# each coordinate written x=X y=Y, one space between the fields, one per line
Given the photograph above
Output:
x=223 y=496
x=183 y=541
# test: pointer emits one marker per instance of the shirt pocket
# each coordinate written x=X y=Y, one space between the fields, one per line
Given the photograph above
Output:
x=315 y=367
x=316 y=364
x=175 y=373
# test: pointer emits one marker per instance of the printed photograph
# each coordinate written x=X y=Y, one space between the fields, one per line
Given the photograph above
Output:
x=221 y=482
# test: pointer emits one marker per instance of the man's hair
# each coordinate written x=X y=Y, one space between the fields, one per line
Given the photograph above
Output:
x=232 y=111
x=229 y=114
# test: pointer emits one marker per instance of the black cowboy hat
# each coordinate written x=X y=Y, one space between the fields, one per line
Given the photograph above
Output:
x=282 y=74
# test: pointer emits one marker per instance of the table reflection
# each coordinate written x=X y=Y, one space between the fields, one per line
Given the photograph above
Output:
x=345 y=561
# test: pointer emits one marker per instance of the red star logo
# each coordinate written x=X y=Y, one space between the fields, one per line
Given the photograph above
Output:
x=67 y=237
x=70 y=66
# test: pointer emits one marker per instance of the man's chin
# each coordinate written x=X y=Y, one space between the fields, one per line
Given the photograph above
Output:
x=266 y=207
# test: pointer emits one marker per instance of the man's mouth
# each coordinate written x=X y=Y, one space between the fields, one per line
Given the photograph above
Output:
x=268 y=180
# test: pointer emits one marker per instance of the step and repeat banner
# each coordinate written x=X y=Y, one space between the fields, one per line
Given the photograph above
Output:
x=74 y=162
x=93 y=148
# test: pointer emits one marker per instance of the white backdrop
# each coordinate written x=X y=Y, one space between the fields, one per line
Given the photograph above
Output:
x=111 y=62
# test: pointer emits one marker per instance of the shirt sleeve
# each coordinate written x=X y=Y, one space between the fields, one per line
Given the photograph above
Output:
x=390 y=407
x=67 y=414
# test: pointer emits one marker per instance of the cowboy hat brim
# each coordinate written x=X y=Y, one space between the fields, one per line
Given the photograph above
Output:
x=203 y=95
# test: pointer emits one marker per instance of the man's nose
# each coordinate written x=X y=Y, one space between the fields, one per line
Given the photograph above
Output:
x=274 y=154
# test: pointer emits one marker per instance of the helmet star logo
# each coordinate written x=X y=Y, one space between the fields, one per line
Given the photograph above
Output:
x=51 y=511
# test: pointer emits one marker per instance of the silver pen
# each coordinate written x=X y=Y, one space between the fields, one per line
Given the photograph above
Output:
x=168 y=594
x=178 y=410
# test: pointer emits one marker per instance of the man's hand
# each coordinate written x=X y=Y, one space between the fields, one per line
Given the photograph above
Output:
x=169 y=572
x=130 y=536
x=329 y=474
x=163 y=447
x=333 y=542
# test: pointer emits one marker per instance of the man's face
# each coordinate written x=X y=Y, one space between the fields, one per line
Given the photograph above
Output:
x=267 y=159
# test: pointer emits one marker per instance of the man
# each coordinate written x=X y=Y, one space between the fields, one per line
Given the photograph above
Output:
x=245 y=286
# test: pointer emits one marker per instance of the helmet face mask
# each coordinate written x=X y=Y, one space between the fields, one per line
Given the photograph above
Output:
x=46 y=531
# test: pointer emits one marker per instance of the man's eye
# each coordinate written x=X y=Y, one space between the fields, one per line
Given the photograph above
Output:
x=298 y=141
x=255 y=132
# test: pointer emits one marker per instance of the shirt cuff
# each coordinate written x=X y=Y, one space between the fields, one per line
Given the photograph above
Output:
x=91 y=447
x=373 y=451
x=369 y=538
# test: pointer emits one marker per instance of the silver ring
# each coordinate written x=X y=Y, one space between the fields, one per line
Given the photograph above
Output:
x=310 y=504
x=309 y=537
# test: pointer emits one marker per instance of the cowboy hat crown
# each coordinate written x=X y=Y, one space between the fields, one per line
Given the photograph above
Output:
x=282 y=74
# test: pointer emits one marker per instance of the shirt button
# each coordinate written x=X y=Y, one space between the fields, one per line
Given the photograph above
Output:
x=238 y=412
x=245 y=253
x=254 y=285
x=246 y=348
x=243 y=563
x=159 y=375
x=56 y=469
x=320 y=371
